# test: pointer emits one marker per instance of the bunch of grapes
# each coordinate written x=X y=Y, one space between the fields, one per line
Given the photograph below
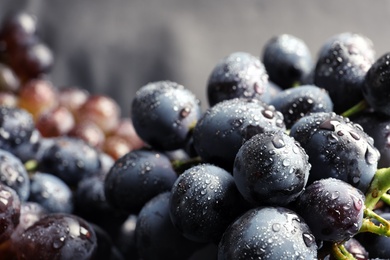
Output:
x=289 y=161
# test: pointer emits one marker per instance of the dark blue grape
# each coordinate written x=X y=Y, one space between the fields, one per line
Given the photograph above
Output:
x=332 y=208
x=337 y=148
x=57 y=236
x=238 y=75
x=356 y=42
x=268 y=233
x=124 y=240
x=137 y=177
x=32 y=150
x=271 y=92
x=14 y=175
x=156 y=236
x=70 y=159
x=16 y=127
x=90 y=203
x=294 y=103
x=51 y=192
x=341 y=69
x=105 y=245
x=287 y=60
x=376 y=89
x=163 y=114
x=377 y=125
x=224 y=127
x=271 y=168
x=204 y=201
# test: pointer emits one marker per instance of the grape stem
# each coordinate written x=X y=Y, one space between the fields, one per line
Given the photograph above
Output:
x=383 y=229
x=341 y=253
x=181 y=165
x=380 y=184
x=359 y=107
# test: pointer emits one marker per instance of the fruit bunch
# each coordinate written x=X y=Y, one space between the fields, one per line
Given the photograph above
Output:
x=289 y=161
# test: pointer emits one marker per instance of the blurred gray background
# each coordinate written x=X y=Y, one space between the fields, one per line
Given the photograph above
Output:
x=116 y=46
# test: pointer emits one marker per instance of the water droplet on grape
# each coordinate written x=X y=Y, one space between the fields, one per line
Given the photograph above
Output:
x=276 y=227
x=278 y=142
x=308 y=239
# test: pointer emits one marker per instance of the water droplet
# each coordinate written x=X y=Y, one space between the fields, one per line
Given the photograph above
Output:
x=354 y=135
x=356 y=179
x=329 y=125
x=268 y=114
x=278 y=142
x=308 y=239
x=370 y=156
x=335 y=195
x=332 y=138
x=357 y=203
x=185 y=112
x=276 y=227
x=286 y=162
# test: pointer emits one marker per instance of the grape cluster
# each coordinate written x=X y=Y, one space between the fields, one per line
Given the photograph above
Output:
x=289 y=161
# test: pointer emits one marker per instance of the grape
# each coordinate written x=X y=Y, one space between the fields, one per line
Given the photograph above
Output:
x=10 y=207
x=17 y=30
x=223 y=128
x=271 y=168
x=377 y=126
x=91 y=204
x=297 y=102
x=55 y=122
x=375 y=87
x=14 y=175
x=156 y=236
x=341 y=69
x=238 y=75
x=70 y=159
x=38 y=96
x=337 y=148
x=72 y=98
x=137 y=177
x=356 y=42
x=8 y=99
x=163 y=114
x=100 y=109
x=32 y=61
x=287 y=60
x=268 y=233
x=30 y=212
x=125 y=238
x=125 y=129
x=8 y=79
x=332 y=208
x=57 y=236
x=89 y=132
x=16 y=127
x=204 y=201
x=116 y=146
x=51 y=193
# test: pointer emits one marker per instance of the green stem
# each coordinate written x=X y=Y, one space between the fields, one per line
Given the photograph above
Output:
x=380 y=184
x=31 y=165
x=341 y=253
x=386 y=198
x=359 y=107
x=179 y=165
x=382 y=229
